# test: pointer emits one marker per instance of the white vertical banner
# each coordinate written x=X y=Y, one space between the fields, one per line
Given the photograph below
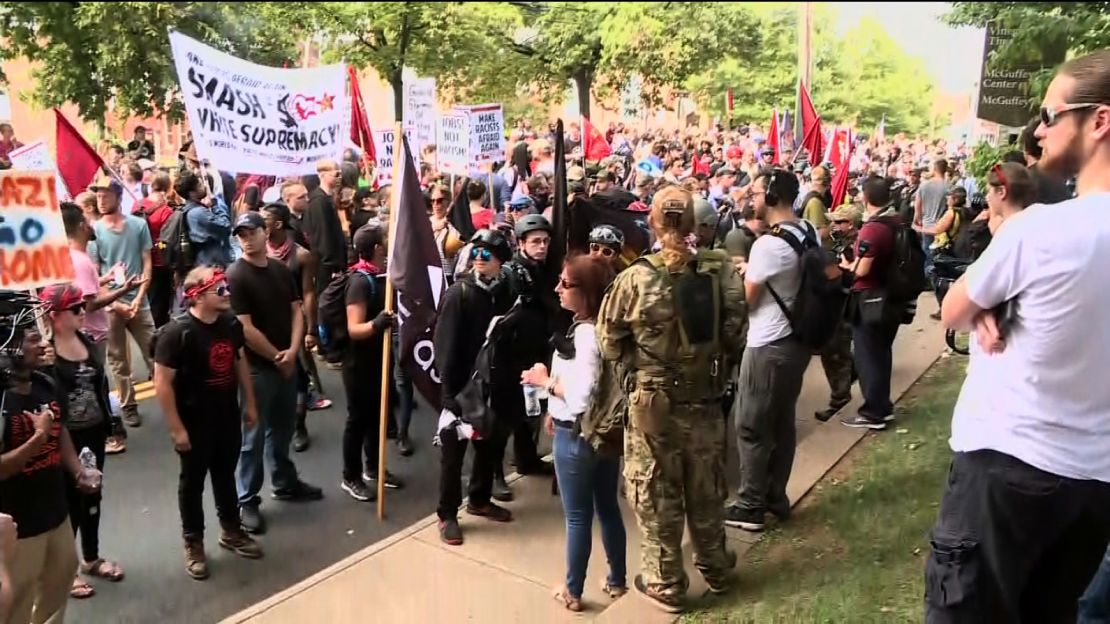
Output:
x=36 y=157
x=487 y=133
x=419 y=110
x=264 y=120
x=453 y=143
x=5 y=107
x=383 y=152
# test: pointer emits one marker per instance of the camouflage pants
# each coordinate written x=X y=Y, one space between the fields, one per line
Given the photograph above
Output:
x=836 y=359
x=674 y=466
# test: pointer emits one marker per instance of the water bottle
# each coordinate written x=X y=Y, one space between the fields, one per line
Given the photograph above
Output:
x=532 y=400
x=88 y=463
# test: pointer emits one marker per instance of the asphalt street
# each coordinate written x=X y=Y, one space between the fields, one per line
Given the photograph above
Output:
x=141 y=528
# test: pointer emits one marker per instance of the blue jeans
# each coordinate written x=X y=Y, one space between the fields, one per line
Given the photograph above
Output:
x=588 y=481
x=276 y=399
x=1094 y=606
x=926 y=243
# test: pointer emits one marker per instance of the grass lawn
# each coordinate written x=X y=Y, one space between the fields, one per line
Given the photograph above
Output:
x=855 y=550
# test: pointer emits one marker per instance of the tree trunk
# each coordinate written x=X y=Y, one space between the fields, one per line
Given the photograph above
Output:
x=583 y=82
x=398 y=84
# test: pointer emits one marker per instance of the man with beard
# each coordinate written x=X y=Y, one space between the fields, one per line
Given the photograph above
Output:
x=1025 y=517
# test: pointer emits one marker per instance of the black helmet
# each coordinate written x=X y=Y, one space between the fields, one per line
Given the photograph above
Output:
x=531 y=223
x=494 y=241
x=608 y=236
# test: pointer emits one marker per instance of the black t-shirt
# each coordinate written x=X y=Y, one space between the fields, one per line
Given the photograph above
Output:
x=366 y=354
x=36 y=496
x=84 y=388
x=265 y=294
x=203 y=356
x=145 y=149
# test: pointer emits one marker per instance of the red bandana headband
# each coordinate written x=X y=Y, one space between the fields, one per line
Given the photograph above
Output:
x=195 y=291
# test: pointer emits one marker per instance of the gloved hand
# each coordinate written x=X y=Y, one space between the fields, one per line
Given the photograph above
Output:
x=383 y=320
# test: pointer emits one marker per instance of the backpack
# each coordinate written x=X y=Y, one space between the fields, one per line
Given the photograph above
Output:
x=819 y=305
x=805 y=200
x=905 y=275
x=474 y=400
x=334 y=337
x=174 y=243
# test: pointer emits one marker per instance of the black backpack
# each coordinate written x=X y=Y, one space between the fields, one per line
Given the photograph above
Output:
x=334 y=337
x=819 y=306
x=905 y=275
x=173 y=242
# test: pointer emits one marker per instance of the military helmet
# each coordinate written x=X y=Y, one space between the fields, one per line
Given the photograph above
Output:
x=494 y=241
x=608 y=236
x=531 y=223
x=704 y=213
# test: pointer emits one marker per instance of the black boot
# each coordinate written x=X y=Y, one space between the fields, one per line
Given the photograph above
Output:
x=300 y=434
x=501 y=491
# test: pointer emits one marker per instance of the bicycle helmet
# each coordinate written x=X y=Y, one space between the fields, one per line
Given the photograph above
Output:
x=531 y=223
x=494 y=241
x=608 y=236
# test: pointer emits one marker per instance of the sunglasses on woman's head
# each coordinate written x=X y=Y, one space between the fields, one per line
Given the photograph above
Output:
x=603 y=250
x=480 y=253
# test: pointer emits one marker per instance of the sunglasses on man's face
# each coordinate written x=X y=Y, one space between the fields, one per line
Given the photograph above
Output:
x=481 y=253
x=607 y=252
x=1050 y=115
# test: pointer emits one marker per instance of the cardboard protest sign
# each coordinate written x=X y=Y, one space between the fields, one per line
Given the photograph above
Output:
x=34 y=251
x=264 y=120
x=453 y=143
x=36 y=157
x=420 y=112
x=383 y=152
x=487 y=133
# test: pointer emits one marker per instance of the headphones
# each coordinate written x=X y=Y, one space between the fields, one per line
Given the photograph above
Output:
x=776 y=183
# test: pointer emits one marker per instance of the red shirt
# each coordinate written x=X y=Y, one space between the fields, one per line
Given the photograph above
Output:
x=482 y=219
x=156 y=215
x=880 y=237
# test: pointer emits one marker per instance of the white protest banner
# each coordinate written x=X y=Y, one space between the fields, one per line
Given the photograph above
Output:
x=263 y=120
x=36 y=157
x=34 y=251
x=383 y=150
x=5 y=107
x=487 y=133
x=453 y=143
x=420 y=109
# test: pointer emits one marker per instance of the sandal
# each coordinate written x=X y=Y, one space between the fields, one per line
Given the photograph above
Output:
x=562 y=595
x=81 y=590
x=100 y=568
x=613 y=591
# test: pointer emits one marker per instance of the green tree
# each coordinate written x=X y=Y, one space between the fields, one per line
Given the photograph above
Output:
x=96 y=53
x=599 y=46
x=1041 y=30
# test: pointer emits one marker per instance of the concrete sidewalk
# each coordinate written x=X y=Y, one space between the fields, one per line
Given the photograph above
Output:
x=507 y=572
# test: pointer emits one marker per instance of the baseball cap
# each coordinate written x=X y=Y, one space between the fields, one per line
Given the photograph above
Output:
x=522 y=203
x=734 y=151
x=251 y=220
x=726 y=170
x=367 y=236
x=107 y=183
x=766 y=151
x=606 y=176
x=58 y=297
x=575 y=174
x=847 y=212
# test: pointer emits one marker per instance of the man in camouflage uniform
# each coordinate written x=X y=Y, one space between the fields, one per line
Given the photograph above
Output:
x=836 y=357
x=672 y=323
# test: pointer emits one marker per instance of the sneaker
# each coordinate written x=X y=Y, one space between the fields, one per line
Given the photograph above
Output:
x=115 y=445
x=299 y=491
x=196 y=562
x=826 y=414
x=358 y=491
x=541 y=468
x=859 y=422
x=889 y=418
x=450 y=532
x=935 y=316
x=501 y=491
x=490 y=512
x=747 y=519
x=241 y=544
x=404 y=446
x=251 y=520
x=131 y=416
x=391 y=480
x=723 y=584
x=300 y=440
x=319 y=404
x=666 y=603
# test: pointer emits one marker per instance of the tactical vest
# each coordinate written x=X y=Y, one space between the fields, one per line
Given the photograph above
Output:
x=679 y=343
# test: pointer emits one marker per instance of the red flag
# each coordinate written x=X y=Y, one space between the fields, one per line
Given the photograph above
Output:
x=728 y=102
x=78 y=162
x=841 y=158
x=773 y=136
x=360 y=124
x=812 y=139
x=593 y=142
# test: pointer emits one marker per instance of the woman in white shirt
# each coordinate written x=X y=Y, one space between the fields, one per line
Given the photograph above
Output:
x=587 y=481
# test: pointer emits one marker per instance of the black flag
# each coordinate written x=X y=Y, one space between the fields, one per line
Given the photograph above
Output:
x=416 y=271
x=560 y=217
x=460 y=212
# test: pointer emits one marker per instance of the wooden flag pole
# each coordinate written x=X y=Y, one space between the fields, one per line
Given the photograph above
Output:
x=387 y=339
x=492 y=199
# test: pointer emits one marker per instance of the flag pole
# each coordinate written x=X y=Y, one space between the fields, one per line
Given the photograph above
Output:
x=387 y=338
